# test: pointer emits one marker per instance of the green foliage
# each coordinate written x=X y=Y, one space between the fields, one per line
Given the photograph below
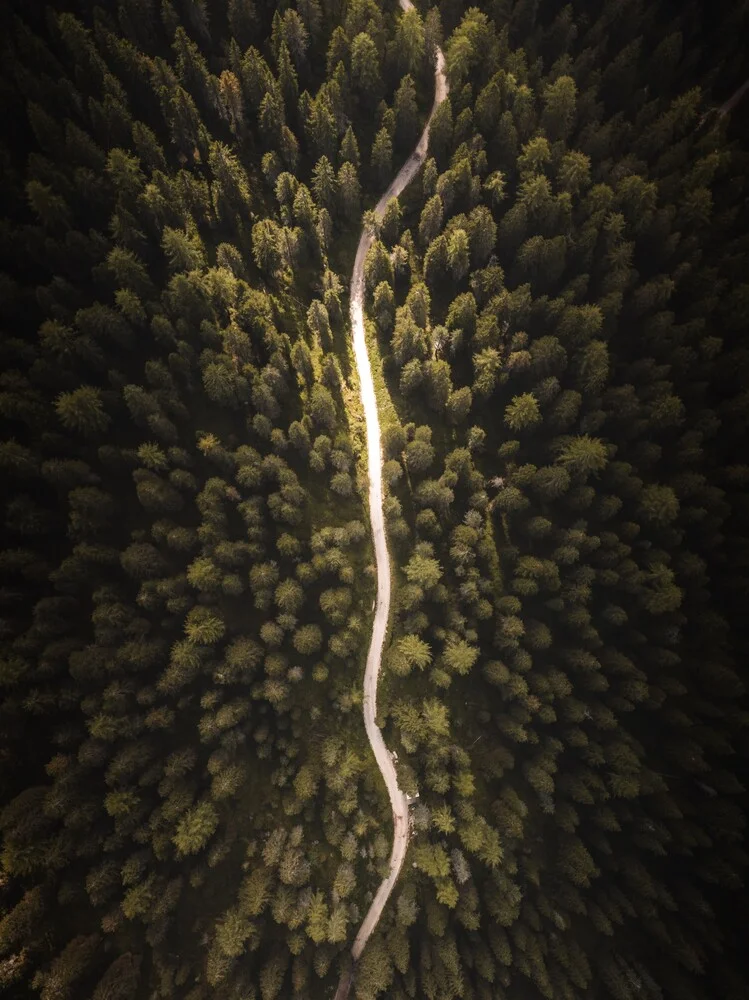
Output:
x=558 y=300
x=523 y=412
x=203 y=627
x=584 y=455
x=308 y=639
x=408 y=652
x=196 y=828
x=459 y=656
x=82 y=410
x=423 y=570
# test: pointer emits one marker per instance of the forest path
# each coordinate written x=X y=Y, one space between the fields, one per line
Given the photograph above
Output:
x=398 y=798
x=734 y=99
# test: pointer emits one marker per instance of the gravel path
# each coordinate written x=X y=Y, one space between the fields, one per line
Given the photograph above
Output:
x=398 y=798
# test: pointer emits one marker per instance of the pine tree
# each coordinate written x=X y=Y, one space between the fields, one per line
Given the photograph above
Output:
x=82 y=410
x=404 y=106
x=382 y=156
x=365 y=69
x=349 y=191
x=523 y=412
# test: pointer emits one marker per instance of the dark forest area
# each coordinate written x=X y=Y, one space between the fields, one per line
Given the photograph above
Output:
x=556 y=313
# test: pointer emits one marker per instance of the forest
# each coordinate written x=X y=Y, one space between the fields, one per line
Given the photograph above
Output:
x=556 y=315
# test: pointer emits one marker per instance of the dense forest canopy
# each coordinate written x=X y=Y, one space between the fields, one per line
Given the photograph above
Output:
x=556 y=311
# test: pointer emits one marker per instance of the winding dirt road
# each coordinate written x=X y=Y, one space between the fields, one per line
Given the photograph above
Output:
x=398 y=798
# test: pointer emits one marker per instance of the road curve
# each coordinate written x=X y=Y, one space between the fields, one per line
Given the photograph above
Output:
x=398 y=798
